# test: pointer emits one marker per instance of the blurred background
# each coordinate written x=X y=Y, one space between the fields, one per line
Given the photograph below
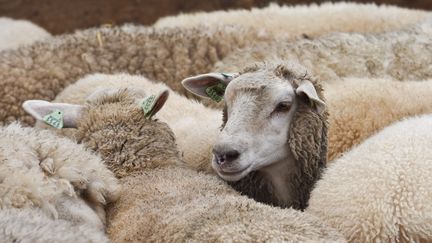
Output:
x=62 y=16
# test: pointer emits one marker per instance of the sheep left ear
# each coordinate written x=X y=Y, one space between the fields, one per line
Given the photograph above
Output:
x=307 y=89
x=59 y=115
x=209 y=85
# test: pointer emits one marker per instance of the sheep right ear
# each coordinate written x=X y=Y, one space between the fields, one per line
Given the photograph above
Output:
x=152 y=104
x=59 y=115
x=209 y=85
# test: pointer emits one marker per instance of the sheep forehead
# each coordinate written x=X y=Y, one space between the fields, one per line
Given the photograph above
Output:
x=260 y=87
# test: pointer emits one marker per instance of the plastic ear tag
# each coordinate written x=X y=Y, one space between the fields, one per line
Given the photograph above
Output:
x=216 y=92
x=54 y=119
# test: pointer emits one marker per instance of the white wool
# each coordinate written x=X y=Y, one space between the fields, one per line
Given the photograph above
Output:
x=312 y=20
x=42 y=170
x=381 y=191
x=16 y=33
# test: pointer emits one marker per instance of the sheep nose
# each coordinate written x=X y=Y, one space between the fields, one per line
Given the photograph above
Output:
x=225 y=156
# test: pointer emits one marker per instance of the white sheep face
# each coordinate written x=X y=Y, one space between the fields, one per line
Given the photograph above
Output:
x=260 y=107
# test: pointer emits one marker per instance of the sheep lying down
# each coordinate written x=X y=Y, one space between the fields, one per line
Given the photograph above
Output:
x=381 y=191
x=46 y=181
x=165 y=201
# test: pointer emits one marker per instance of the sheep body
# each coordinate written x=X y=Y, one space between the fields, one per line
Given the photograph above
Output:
x=400 y=55
x=17 y=33
x=33 y=225
x=41 y=170
x=42 y=70
x=358 y=108
x=381 y=190
x=295 y=21
x=164 y=200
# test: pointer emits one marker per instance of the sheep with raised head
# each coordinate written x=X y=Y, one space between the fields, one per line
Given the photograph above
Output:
x=310 y=20
x=381 y=190
x=399 y=55
x=42 y=70
x=165 y=200
x=16 y=33
x=41 y=172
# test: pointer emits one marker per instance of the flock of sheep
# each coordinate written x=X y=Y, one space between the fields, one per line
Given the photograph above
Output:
x=323 y=134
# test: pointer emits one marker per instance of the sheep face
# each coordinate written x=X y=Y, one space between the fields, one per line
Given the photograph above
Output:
x=260 y=105
x=259 y=109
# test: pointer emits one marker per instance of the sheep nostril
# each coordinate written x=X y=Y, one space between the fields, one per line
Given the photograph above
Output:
x=231 y=155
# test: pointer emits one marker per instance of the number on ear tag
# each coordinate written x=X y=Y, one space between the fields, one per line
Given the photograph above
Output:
x=148 y=105
x=54 y=119
x=216 y=92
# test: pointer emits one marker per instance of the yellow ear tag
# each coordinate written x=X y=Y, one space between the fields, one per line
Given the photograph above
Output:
x=54 y=119
x=216 y=92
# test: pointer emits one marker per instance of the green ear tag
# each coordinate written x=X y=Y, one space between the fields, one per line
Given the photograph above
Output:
x=147 y=106
x=216 y=92
x=54 y=119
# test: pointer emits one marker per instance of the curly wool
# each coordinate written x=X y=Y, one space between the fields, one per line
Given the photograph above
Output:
x=40 y=169
x=381 y=190
x=400 y=55
x=310 y=20
x=42 y=70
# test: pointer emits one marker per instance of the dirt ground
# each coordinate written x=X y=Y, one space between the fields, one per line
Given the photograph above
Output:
x=60 y=16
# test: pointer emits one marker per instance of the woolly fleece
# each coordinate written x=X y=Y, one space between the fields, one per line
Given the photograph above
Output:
x=309 y=20
x=381 y=190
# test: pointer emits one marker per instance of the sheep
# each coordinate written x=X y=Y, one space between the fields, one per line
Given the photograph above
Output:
x=400 y=55
x=33 y=225
x=195 y=126
x=303 y=155
x=166 y=201
x=16 y=33
x=64 y=180
x=310 y=20
x=380 y=191
x=42 y=70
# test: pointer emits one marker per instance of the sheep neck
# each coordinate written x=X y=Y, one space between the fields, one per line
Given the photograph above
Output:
x=278 y=176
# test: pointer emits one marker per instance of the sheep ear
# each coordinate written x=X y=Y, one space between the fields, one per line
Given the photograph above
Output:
x=152 y=104
x=307 y=89
x=59 y=115
x=209 y=85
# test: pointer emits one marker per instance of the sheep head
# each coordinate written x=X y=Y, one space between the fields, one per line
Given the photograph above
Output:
x=274 y=119
x=114 y=124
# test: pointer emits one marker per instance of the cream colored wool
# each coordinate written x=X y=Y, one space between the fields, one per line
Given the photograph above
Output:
x=195 y=126
x=400 y=55
x=42 y=70
x=33 y=225
x=359 y=108
x=16 y=33
x=39 y=169
x=311 y=20
x=167 y=202
x=381 y=191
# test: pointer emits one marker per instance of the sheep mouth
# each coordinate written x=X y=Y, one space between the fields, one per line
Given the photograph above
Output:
x=228 y=175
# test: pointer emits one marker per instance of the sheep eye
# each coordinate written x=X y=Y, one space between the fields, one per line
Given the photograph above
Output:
x=283 y=107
